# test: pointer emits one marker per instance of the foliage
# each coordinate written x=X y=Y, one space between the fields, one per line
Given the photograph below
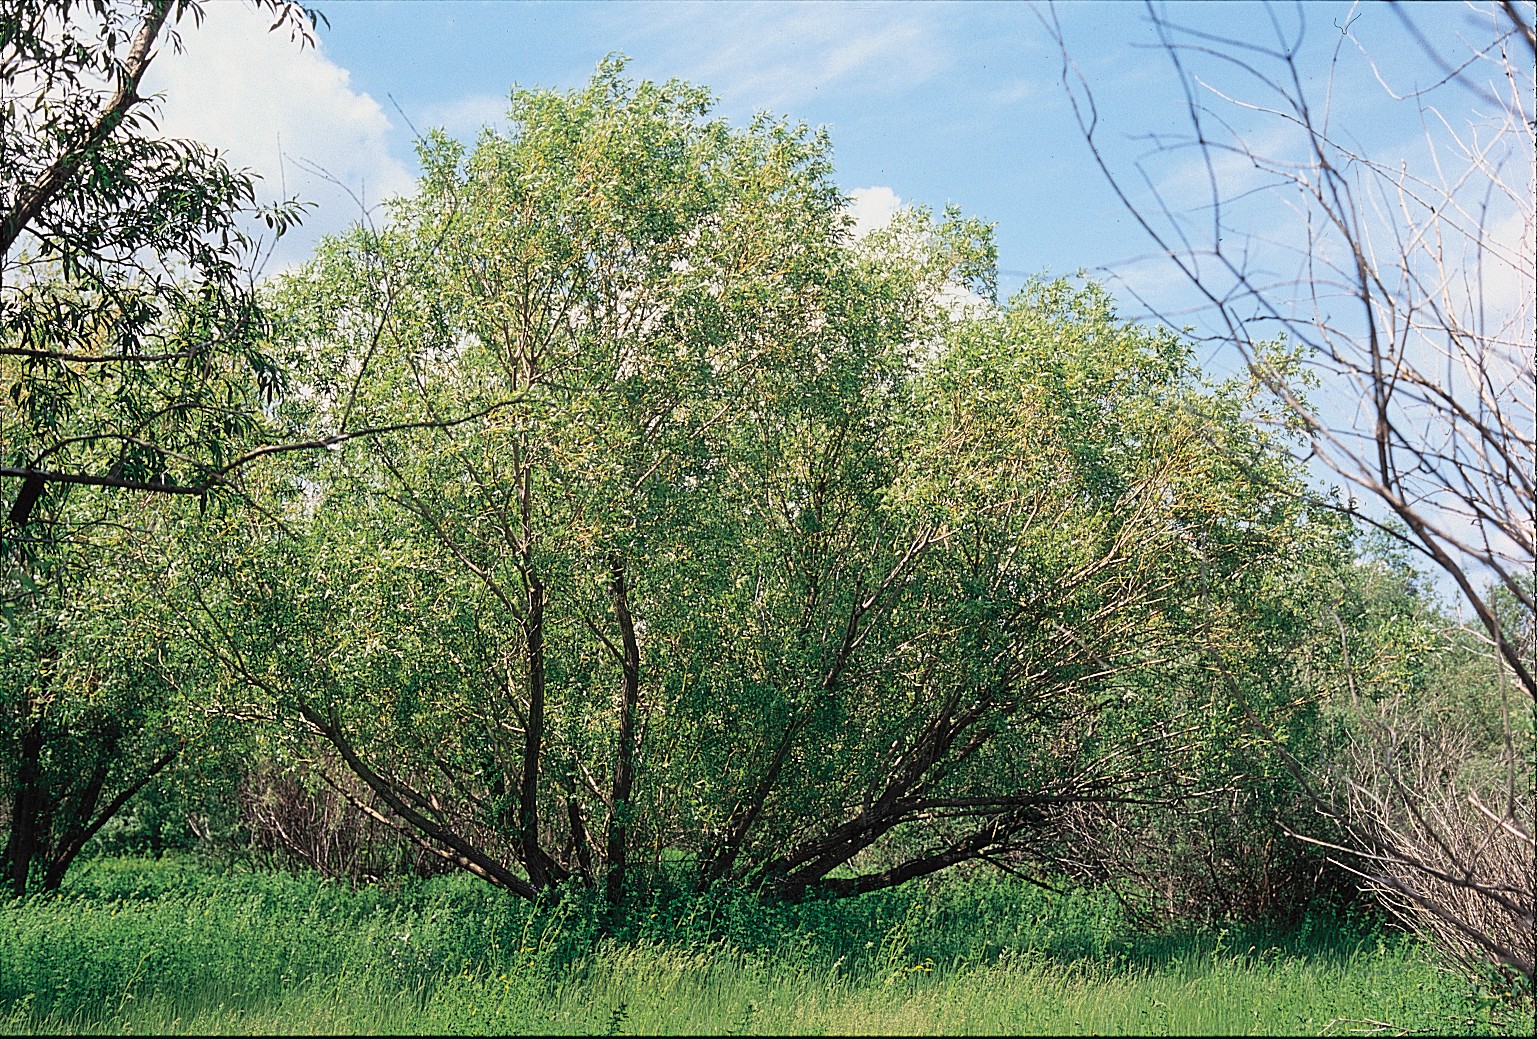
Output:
x=666 y=531
x=709 y=531
x=124 y=270
x=129 y=358
x=1351 y=676
x=99 y=693
x=295 y=816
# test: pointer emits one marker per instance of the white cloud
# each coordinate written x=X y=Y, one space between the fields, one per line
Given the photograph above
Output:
x=1506 y=278
x=283 y=111
x=774 y=56
x=872 y=208
x=1017 y=91
x=465 y=117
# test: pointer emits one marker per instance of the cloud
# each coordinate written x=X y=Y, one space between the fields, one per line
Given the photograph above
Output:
x=466 y=116
x=775 y=56
x=284 y=112
x=1017 y=91
x=1506 y=277
x=872 y=208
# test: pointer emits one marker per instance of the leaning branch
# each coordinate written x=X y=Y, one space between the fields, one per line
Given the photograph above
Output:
x=32 y=201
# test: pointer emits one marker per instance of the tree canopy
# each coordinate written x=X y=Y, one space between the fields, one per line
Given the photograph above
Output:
x=747 y=540
x=126 y=296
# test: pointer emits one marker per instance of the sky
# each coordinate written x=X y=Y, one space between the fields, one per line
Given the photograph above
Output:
x=925 y=103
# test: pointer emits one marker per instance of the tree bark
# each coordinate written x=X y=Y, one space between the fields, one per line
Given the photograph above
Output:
x=624 y=763
x=541 y=869
x=27 y=811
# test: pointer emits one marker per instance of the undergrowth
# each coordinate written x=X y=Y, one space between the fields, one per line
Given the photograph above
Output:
x=139 y=945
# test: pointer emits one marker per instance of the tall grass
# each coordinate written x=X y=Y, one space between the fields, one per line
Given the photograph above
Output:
x=140 y=946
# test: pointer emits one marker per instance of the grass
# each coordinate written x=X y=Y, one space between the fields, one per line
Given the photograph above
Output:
x=138 y=946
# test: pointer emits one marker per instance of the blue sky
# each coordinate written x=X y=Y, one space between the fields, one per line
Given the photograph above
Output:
x=927 y=102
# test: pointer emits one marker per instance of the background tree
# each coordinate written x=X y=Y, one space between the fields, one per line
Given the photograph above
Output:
x=1408 y=279
x=97 y=694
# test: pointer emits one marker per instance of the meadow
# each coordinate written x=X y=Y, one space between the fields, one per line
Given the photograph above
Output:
x=179 y=946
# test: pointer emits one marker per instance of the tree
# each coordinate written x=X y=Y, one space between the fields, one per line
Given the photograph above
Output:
x=1407 y=277
x=123 y=265
x=1413 y=282
x=94 y=689
x=129 y=358
x=749 y=548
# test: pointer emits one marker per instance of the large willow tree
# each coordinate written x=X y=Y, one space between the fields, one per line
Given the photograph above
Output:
x=712 y=535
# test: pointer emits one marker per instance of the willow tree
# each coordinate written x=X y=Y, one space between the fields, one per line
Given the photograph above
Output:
x=709 y=531
x=130 y=360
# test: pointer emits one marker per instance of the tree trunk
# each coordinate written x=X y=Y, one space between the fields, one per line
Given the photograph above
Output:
x=85 y=828
x=535 y=860
x=624 y=764
x=27 y=811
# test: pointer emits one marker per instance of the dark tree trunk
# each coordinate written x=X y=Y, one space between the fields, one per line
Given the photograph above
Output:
x=624 y=764
x=542 y=870
x=86 y=824
x=28 y=811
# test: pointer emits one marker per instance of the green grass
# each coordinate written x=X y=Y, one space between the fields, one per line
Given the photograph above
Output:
x=137 y=946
